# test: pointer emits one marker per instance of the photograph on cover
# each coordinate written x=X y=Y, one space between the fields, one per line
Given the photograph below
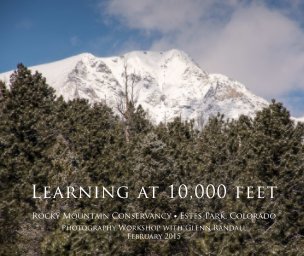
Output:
x=152 y=127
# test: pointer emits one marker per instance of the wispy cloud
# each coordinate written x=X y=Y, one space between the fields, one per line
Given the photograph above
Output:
x=74 y=40
x=255 y=43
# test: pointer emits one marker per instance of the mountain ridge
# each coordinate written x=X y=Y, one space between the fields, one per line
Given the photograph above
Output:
x=167 y=84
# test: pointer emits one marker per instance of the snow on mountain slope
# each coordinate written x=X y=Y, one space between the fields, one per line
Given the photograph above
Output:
x=298 y=119
x=167 y=84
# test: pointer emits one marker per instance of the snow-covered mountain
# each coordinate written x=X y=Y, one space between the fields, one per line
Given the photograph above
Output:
x=167 y=84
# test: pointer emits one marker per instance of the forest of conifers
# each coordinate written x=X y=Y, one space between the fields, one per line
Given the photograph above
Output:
x=48 y=141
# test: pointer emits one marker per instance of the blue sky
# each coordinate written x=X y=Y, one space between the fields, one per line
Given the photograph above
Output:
x=260 y=43
x=38 y=31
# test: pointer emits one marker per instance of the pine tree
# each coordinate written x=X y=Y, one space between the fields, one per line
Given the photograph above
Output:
x=26 y=127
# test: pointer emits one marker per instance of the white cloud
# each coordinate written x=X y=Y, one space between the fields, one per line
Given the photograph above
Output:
x=163 y=15
x=260 y=47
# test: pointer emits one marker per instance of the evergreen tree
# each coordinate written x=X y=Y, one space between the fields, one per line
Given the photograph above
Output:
x=26 y=127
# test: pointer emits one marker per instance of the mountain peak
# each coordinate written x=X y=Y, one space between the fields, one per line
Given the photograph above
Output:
x=177 y=53
x=167 y=84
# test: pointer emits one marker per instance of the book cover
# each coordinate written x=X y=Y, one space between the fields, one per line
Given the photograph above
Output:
x=151 y=127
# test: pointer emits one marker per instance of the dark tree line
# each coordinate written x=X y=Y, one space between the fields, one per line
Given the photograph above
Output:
x=45 y=140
